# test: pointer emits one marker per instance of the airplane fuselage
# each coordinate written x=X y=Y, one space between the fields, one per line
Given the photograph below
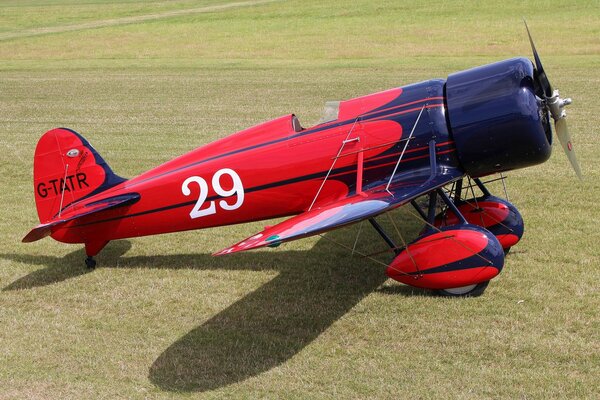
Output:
x=478 y=121
x=276 y=169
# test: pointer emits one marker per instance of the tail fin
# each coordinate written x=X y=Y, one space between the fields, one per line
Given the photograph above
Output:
x=66 y=168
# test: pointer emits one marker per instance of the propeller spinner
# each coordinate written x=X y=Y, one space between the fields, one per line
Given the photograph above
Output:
x=555 y=105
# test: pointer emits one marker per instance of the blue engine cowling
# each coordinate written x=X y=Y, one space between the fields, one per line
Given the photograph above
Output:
x=495 y=118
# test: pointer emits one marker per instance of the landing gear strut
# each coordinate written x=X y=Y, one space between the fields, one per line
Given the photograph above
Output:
x=384 y=235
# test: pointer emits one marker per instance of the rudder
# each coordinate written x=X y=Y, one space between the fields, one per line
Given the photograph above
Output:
x=66 y=168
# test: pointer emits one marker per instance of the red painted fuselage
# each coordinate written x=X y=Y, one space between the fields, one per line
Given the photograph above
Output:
x=279 y=166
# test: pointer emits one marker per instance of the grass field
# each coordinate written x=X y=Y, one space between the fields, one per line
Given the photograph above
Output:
x=161 y=318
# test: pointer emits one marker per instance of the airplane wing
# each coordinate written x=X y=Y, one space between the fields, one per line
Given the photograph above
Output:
x=71 y=213
x=354 y=208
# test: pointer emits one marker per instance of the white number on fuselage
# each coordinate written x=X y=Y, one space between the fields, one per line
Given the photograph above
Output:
x=237 y=189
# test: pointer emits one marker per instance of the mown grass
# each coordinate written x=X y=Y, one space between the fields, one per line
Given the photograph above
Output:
x=161 y=318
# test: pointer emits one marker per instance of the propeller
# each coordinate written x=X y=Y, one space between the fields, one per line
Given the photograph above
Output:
x=555 y=105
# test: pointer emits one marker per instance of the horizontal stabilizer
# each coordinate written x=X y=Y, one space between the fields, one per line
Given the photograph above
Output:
x=73 y=213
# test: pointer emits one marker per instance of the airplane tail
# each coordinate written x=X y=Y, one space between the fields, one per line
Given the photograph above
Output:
x=66 y=168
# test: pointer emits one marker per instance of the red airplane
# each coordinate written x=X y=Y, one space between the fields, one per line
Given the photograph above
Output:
x=369 y=155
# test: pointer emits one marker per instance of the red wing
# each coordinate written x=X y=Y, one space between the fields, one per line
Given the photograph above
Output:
x=348 y=210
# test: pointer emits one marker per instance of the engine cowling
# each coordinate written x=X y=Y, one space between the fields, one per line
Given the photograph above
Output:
x=457 y=256
x=495 y=118
x=492 y=213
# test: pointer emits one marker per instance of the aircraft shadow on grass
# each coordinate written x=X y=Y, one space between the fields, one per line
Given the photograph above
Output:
x=260 y=331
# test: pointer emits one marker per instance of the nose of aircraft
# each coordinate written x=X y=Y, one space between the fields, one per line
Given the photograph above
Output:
x=496 y=119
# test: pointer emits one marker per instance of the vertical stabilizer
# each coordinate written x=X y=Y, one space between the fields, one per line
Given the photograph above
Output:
x=66 y=168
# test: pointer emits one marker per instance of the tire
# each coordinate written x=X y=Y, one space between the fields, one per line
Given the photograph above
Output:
x=465 y=291
x=90 y=263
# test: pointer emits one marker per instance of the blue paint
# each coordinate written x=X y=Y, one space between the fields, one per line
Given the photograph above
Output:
x=496 y=120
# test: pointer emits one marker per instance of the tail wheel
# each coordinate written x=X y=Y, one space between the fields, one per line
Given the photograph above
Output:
x=90 y=263
x=465 y=291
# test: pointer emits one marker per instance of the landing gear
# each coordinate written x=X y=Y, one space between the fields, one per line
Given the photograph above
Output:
x=496 y=215
x=475 y=290
x=90 y=263
x=91 y=249
x=453 y=260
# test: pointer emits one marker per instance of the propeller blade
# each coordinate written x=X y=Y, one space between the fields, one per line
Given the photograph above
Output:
x=542 y=78
x=565 y=140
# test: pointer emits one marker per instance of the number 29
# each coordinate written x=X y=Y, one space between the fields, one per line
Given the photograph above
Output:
x=237 y=189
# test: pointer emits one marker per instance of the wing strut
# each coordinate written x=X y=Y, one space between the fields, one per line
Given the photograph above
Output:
x=344 y=142
x=387 y=188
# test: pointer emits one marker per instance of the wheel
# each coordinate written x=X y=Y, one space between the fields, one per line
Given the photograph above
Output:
x=465 y=291
x=90 y=263
x=506 y=251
